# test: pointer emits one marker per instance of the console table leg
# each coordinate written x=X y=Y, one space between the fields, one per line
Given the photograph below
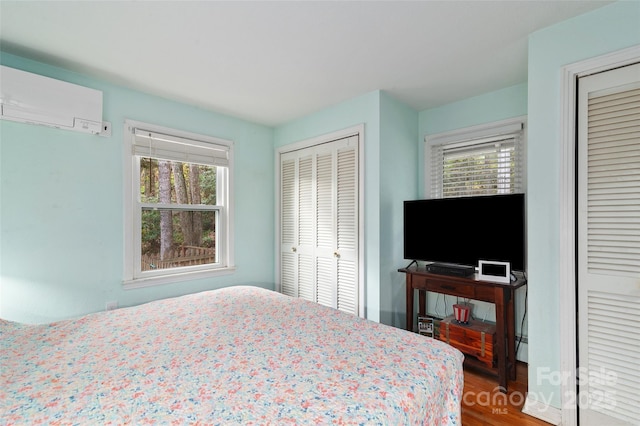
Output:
x=501 y=340
x=409 y=307
x=511 y=335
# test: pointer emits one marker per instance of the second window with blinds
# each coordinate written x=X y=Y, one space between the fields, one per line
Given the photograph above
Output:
x=481 y=160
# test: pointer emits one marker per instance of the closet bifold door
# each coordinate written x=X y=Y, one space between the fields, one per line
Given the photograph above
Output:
x=347 y=227
x=319 y=224
x=297 y=228
x=288 y=220
x=609 y=247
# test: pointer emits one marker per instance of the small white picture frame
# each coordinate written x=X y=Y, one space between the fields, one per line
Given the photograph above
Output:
x=489 y=270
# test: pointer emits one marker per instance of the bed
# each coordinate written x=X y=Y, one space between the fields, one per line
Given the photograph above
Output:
x=238 y=355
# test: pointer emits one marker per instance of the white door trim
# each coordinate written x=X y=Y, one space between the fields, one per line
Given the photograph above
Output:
x=318 y=140
x=567 y=266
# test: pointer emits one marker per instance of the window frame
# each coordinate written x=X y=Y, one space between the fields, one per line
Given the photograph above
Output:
x=470 y=136
x=134 y=277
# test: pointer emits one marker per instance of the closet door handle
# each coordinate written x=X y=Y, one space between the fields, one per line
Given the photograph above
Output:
x=294 y=249
x=336 y=254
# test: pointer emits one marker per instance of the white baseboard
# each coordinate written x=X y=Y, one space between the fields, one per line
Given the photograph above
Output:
x=542 y=411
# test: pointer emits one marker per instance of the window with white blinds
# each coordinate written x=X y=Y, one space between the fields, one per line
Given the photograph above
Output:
x=177 y=202
x=485 y=161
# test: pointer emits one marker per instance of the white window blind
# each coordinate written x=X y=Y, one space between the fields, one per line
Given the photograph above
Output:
x=174 y=148
x=479 y=166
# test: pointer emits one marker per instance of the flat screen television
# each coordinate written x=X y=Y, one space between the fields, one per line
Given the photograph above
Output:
x=465 y=230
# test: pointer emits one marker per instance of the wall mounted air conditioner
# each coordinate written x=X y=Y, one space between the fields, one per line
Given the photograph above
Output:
x=32 y=98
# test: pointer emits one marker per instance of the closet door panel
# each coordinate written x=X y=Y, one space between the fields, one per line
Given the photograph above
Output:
x=609 y=247
x=325 y=230
x=288 y=226
x=347 y=226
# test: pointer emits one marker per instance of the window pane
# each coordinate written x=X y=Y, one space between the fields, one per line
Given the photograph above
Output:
x=174 y=238
x=172 y=182
x=479 y=173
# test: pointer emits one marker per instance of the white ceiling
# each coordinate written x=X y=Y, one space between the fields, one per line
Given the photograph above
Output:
x=271 y=62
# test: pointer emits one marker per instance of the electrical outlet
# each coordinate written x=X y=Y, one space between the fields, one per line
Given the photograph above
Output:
x=112 y=305
x=106 y=129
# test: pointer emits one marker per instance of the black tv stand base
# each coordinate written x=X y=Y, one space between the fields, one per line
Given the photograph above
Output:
x=450 y=269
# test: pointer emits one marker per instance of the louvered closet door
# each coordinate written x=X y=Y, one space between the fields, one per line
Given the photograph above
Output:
x=337 y=213
x=609 y=247
x=347 y=226
x=297 y=225
x=319 y=229
x=288 y=225
x=326 y=276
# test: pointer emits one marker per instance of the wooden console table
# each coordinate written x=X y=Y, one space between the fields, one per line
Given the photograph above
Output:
x=502 y=295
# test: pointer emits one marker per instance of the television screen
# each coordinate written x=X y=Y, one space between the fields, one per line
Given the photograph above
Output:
x=466 y=230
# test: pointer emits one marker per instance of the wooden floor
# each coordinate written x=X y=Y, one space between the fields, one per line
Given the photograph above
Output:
x=483 y=404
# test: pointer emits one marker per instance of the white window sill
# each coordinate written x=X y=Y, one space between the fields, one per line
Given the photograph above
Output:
x=175 y=278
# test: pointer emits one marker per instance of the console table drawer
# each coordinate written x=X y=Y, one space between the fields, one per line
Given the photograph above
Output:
x=453 y=289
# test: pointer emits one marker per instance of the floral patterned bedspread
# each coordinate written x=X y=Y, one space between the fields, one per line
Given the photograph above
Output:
x=239 y=355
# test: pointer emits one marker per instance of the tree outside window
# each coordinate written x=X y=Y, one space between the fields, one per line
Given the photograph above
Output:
x=172 y=237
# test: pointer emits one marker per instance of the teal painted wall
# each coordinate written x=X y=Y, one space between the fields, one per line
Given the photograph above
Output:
x=398 y=182
x=365 y=110
x=61 y=211
x=602 y=31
